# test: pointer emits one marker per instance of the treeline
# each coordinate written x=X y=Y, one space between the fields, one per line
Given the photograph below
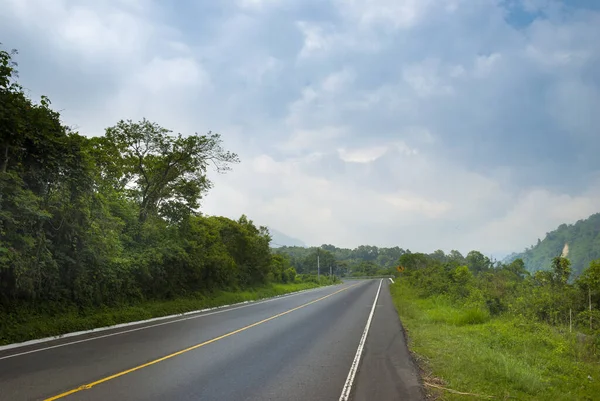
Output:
x=364 y=260
x=113 y=219
x=474 y=281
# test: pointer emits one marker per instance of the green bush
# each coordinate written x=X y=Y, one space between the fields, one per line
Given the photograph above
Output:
x=472 y=316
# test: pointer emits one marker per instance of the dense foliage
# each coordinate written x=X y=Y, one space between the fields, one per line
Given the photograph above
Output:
x=582 y=238
x=364 y=260
x=113 y=219
x=475 y=282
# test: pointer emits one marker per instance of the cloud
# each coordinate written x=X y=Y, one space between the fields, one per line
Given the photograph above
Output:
x=423 y=124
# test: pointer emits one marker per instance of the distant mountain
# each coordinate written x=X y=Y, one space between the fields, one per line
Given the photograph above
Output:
x=280 y=239
x=580 y=242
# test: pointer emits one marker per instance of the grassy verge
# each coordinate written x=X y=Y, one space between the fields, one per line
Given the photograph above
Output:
x=507 y=357
x=22 y=325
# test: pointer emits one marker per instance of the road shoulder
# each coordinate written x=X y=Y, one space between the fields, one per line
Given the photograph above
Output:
x=387 y=371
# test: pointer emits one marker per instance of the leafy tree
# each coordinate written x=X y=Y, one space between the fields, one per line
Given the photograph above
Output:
x=477 y=262
x=365 y=268
x=561 y=269
x=517 y=268
x=164 y=174
x=366 y=252
x=414 y=261
x=325 y=259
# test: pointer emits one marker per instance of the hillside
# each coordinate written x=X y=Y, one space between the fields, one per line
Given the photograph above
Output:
x=279 y=239
x=583 y=239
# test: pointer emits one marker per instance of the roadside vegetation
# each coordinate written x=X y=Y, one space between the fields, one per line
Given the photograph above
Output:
x=23 y=326
x=108 y=229
x=489 y=329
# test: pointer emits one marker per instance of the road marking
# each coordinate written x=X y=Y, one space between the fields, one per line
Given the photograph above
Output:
x=391 y=279
x=354 y=368
x=193 y=347
x=200 y=314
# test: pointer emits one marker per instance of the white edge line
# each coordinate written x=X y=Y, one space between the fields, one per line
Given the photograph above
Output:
x=391 y=279
x=243 y=304
x=354 y=368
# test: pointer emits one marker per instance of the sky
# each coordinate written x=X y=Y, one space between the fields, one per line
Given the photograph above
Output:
x=424 y=124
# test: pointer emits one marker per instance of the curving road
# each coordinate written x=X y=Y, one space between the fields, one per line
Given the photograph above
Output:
x=298 y=347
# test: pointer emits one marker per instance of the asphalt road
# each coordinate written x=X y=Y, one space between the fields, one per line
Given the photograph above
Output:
x=298 y=347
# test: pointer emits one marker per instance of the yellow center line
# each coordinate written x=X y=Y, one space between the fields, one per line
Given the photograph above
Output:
x=183 y=351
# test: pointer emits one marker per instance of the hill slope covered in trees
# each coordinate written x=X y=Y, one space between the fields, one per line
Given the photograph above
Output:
x=583 y=239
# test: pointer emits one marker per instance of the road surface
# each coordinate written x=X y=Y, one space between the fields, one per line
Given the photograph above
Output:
x=298 y=347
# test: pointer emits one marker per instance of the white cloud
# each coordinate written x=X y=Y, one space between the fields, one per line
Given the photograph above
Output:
x=94 y=31
x=257 y=4
x=423 y=77
x=306 y=139
x=365 y=155
x=396 y=13
x=415 y=204
x=484 y=65
x=316 y=39
x=162 y=74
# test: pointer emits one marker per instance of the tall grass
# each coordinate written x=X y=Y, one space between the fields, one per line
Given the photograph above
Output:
x=23 y=325
x=500 y=357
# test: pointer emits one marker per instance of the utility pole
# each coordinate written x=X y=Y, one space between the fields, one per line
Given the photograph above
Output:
x=318 y=266
x=330 y=270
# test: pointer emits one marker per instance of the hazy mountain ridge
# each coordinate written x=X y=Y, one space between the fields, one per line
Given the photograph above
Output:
x=280 y=239
x=583 y=239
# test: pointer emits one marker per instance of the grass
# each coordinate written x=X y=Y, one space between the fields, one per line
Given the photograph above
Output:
x=23 y=325
x=505 y=357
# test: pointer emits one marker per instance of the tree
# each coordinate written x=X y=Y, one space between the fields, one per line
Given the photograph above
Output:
x=589 y=283
x=439 y=255
x=477 y=262
x=164 y=174
x=414 y=261
x=366 y=252
x=517 y=268
x=561 y=269
x=45 y=196
x=456 y=258
x=325 y=259
x=365 y=268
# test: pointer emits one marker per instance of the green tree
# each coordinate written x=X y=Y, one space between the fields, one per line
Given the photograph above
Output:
x=46 y=199
x=517 y=268
x=325 y=259
x=561 y=269
x=477 y=262
x=164 y=174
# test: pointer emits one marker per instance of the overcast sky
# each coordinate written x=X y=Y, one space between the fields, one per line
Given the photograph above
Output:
x=427 y=124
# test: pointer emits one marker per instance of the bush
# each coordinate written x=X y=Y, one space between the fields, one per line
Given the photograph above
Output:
x=290 y=275
x=472 y=316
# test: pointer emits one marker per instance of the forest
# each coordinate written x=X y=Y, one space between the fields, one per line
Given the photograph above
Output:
x=582 y=239
x=115 y=219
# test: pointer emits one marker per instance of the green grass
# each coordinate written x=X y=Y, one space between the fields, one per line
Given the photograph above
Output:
x=500 y=357
x=24 y=325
